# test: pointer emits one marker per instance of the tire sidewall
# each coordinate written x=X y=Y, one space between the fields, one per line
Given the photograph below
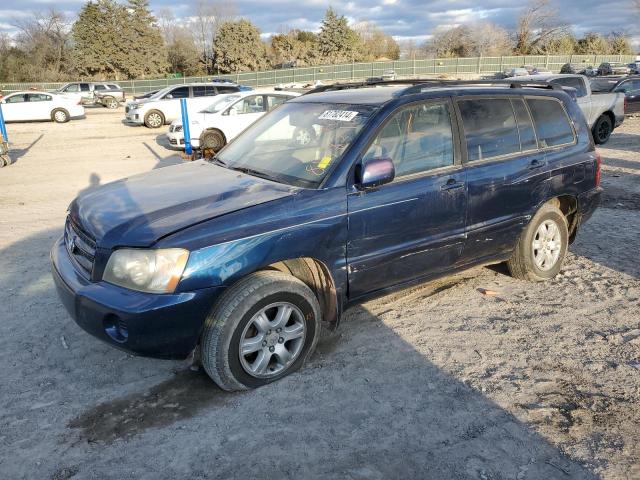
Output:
x=596 y=127
x=547 y=213
x=154 y=112
x=233 y=346
x=66 y=115
x=203 y=141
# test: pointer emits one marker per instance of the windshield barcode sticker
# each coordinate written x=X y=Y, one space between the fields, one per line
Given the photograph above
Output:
x=339 y=115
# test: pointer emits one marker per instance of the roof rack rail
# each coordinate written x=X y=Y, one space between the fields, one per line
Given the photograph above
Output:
x=418 y=85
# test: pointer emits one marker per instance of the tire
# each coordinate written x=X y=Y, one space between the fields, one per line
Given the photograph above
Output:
x=60 y=115
x=235 y=318
x=525 y=263
x=212 y=140
x=154 y=119
x=602 y=130
x=110 y=102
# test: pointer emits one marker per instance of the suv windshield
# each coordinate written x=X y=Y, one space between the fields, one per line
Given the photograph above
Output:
x=297 y=143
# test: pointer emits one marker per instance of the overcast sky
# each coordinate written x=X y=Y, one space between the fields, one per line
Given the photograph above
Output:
x=400 y=18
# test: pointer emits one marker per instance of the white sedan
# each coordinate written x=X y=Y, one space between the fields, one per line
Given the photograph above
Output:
x=222 y=121
x=26 y=106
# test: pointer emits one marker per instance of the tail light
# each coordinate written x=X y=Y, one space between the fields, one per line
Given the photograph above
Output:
x=598 y=168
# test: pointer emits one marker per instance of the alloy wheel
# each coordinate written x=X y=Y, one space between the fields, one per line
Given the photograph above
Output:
x=547 y=245
x=272 y=340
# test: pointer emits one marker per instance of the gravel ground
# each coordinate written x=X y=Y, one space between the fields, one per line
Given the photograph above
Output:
x=442 y=381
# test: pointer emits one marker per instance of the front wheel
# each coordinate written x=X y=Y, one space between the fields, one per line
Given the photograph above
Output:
x=154 y=119
x=602 y=130
x=539 y=254
x=212 y=140
x=262 y=329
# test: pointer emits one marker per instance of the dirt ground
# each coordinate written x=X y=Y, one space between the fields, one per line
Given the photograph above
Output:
x=538 y=381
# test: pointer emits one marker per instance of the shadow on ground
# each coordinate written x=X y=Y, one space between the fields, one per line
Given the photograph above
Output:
x=367 y=405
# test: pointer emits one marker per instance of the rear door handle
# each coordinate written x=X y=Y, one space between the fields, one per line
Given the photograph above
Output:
x=452 y=184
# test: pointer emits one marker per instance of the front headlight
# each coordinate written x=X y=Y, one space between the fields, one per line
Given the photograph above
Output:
x=151 y=271
x=134 y=106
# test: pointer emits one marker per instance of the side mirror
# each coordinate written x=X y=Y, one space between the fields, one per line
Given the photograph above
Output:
x=168 y=96
x=375 y=172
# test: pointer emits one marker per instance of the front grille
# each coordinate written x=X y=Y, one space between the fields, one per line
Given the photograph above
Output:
x=173 y=141
x=81 y=247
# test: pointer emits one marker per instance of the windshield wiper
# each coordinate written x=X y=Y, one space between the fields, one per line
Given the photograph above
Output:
x=217 y=160
x=256 y=173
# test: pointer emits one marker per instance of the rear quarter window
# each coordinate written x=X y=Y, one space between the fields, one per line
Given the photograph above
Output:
x=551 y=122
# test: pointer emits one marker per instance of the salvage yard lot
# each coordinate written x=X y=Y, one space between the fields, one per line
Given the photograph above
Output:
x=475 y=376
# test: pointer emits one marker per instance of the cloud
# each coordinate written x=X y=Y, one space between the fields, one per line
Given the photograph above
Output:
x=403 y=19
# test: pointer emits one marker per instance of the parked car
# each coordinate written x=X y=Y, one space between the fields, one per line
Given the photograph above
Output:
x=629 y=86
x=35 y=105
x=604 y=113
x=222 y=121
x=244 y=257
x=515 y=72
x=389 y=75
x=111 y=98
x=164 y=106
x=613 y=68
x=578 y=68
x=85 y=92
x=634 y=68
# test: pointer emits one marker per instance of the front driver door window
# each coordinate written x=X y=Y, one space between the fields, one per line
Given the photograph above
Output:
x=413 y=226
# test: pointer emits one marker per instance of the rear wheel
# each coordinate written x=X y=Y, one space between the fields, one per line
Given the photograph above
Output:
x=154 y=119
x=111 y=103
x=602 y=129
x=539 y=254
x=212 y=140
x=60 y=115
x=262 y=329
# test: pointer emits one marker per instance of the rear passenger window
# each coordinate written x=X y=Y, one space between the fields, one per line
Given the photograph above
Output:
x=525 y=127
x=417 y=139
x=204 y=91
x=489 y=128
x=551 y=122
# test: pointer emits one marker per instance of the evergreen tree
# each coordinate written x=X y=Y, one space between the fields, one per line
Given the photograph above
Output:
x=98 y=39
x=336 y=41
x=238 y=47
x=145 y=47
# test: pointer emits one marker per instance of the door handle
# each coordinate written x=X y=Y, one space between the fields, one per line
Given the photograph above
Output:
x=452 y=184
x=536 y=164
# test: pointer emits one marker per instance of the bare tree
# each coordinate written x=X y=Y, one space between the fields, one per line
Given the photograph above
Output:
x=537 y=27
x=45 y=37
x=488 y=39
x=208 y=17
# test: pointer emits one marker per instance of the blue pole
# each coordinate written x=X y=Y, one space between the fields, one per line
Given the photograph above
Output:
x=3 y=127
x=185 y=127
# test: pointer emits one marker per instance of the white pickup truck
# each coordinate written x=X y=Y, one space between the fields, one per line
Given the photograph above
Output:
x=604 y=111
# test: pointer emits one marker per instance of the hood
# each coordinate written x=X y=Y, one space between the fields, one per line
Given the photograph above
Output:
x=140 y=210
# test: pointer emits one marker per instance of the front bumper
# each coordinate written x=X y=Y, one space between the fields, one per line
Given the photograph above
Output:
x=160 y=326
x=176 y=139
x=619 y=120
x=134 y=117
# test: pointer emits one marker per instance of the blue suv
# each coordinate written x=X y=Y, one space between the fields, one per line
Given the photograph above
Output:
x=339 y=195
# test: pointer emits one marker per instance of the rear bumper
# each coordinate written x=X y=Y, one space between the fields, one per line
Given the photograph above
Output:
x=588 y=202
x=618 y=121
x=160 y=326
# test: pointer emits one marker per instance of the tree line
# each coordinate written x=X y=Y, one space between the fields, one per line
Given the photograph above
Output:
x=123 y=39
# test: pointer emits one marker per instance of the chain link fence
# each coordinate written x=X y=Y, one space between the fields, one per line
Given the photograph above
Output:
x=476 y=66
